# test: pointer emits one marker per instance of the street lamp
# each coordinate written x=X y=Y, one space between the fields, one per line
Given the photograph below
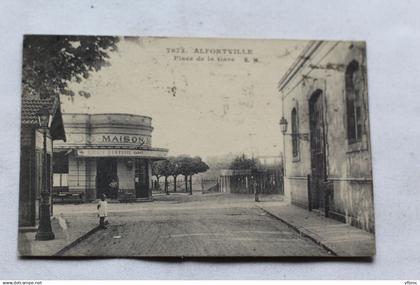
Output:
x=283 y=126
x=44 y=229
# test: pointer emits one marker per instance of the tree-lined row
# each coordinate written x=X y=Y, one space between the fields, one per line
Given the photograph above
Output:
x=184 y=165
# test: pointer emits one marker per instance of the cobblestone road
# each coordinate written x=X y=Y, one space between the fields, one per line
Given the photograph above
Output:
x=179 y=225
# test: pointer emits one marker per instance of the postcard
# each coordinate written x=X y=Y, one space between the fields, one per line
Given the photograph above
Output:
x=194 y=147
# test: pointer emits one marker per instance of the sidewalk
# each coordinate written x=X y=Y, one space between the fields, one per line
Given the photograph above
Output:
x=339 y=238
x=66 y=230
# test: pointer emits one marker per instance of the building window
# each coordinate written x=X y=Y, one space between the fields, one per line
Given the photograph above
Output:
x=354 y=102
x=295 y=134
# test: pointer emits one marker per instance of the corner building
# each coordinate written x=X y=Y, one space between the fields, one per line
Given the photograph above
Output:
x=106 y=154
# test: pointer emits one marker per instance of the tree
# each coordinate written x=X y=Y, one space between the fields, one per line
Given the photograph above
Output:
x=51 y=62
x=174 y=169
x=157 y=170
x=198 y=166
x=189 y=166
x=162 y=168
x=180 y=165
x=242 y=162
x=185 y=168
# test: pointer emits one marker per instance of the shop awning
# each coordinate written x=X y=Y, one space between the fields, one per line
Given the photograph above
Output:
x=154 y=153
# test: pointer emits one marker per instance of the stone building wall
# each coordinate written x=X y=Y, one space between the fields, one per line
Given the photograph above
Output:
x=348 y=165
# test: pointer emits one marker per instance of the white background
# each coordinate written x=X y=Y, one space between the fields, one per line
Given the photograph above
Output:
x=392 y=32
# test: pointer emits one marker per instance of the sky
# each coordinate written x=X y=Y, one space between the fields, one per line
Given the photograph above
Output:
x=206 y=97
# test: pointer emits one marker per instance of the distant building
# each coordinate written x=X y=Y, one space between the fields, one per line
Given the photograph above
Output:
x=106 y=154
x=325 y=101
x=31 y=155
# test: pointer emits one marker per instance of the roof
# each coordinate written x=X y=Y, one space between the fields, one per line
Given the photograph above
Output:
x=124 y=114
x=31 y=104
x=304 y=56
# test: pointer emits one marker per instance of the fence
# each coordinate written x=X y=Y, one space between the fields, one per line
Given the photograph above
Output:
x=210 y=185
x=246 y=181
x=268 y=181
x=180 y=185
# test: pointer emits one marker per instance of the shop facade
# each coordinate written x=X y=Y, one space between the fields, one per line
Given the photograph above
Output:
x=109 y=154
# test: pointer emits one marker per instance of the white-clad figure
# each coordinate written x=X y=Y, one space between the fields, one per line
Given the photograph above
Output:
x=102 y=211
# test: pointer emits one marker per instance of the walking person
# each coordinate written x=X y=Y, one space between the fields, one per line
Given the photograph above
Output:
x=102 y=211
x=113 y=189
x=256 y=189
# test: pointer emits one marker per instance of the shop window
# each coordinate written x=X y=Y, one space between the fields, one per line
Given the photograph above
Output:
x=295 y=134
x=61 y=162
x=354 y=102
x=60 y=170
x=60 y=180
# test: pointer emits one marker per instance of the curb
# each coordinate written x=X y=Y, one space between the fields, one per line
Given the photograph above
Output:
x=77 y=241
x=299 y=231
x=27 y=229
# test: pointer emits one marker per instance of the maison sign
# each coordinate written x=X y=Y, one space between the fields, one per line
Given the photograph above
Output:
x=120 y=139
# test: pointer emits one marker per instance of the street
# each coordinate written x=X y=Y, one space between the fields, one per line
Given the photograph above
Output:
x=182 y=225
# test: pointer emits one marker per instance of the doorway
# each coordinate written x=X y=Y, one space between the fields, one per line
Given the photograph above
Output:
x=106 y=172
x=141 y=178
x=317 y=146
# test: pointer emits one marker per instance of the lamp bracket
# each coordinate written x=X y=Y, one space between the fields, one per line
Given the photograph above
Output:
x=301 y=136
